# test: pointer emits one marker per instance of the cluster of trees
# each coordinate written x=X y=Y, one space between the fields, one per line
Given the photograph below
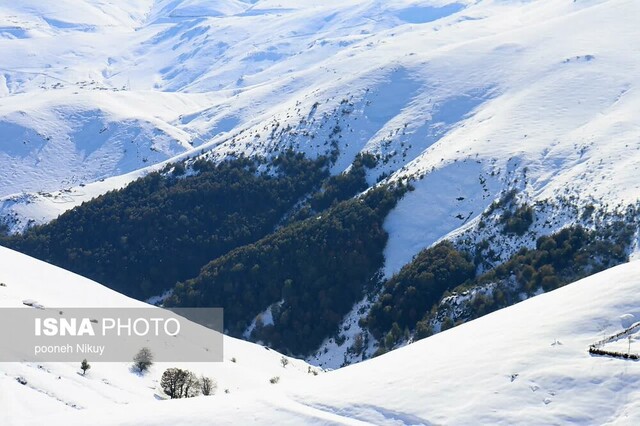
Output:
x=559 y=259
x=410 y=300
x=415 y=289
x=178 y=383
x=337 y=188
x=310 y=272
x=175 y=382
x=518 y=221
x=345 y=185
x=163 y=228
x=515 y=219
x=566 y=256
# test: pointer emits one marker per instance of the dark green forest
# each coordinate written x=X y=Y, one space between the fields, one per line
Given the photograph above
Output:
x=312 y=271
x=242 y=234
x=557 y=260
x=418 y=286
x=164 y=227
x=409 y=301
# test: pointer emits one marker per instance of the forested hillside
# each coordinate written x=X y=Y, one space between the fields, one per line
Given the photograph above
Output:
x=164 y=227
x=276 y=232
x=312 y=272
x=440 y=289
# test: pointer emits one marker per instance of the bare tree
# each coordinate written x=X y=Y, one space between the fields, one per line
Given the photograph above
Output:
x=143 y=359
x=208 y=385
x=170 y=382
x=178 y=383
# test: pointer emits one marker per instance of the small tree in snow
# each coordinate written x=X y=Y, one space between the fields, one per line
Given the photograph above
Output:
x=143 y=359
x=84 y=366
x=284 y=361
x=208 y=385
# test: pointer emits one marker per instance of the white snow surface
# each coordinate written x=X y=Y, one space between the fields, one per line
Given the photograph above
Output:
x=526 y=364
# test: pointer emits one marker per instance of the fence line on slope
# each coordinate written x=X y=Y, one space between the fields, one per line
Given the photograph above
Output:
x=596 y=348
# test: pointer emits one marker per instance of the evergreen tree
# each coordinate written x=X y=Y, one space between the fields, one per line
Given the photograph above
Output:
x=84 y=366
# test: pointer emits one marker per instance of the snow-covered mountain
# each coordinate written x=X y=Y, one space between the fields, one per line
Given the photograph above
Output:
x=469 y=94
x=527 y=364
x=467 y=98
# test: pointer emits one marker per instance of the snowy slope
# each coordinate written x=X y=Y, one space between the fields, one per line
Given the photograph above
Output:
x=90 y=90
x=59 y=388
x=526 y=364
